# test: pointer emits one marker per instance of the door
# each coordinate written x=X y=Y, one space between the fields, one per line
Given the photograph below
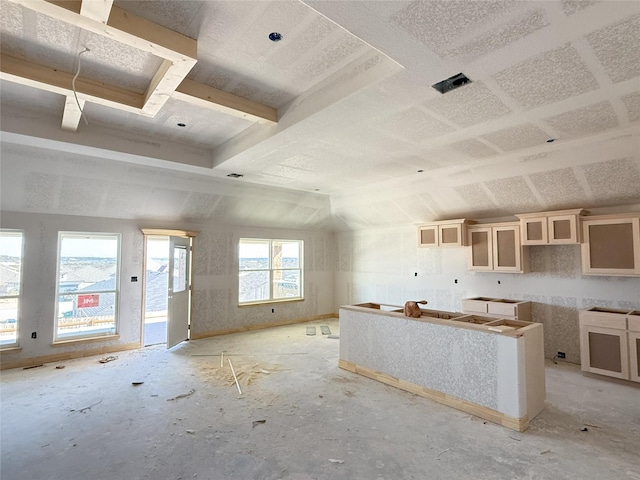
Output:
x=178 y=307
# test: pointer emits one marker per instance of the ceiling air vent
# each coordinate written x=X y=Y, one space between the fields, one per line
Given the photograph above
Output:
x=235 y=175
x=451 y=83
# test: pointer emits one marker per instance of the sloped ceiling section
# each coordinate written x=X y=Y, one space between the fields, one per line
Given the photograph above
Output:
x=47 y=181
x=357 y=119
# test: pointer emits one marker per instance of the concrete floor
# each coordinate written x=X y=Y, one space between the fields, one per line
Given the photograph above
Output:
x=87 y=421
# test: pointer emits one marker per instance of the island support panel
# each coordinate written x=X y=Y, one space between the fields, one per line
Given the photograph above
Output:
x=495 y=376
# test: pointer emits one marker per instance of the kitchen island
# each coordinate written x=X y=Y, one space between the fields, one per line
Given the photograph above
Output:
x=488 y=367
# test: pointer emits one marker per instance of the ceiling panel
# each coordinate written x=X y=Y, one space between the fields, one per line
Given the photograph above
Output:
x=513 y=193
x=550 y=77
x=632 y=102
x=514 y=138
x=559 y=188
x=586 y=120
x=614 y=181
x=617 y=49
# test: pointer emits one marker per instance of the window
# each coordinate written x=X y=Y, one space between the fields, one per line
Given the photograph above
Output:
x=10 y=286
x=88 y=273
x=269 y=270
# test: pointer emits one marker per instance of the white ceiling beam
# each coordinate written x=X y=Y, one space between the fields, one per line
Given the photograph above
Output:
x=225 y=102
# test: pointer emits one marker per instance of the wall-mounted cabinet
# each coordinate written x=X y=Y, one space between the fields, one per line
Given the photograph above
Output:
x=560 y=227
x=447 y=233
x=496 y=248
x=611 y=245
x=609 y=342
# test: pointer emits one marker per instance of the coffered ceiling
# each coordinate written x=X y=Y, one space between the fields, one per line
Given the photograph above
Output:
x=334 y=126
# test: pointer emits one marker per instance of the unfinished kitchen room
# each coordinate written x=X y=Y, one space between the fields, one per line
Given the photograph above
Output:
x=319 y=239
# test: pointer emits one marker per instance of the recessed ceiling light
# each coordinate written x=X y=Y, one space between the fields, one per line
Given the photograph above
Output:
x=182 y=124
x=551 y=140
x=235 y=175
x=275 y=36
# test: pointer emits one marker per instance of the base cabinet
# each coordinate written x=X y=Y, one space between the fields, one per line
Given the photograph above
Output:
x=609 y=342
x=498 y=307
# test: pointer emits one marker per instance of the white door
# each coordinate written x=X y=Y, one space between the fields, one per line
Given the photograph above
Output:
x=179 y=290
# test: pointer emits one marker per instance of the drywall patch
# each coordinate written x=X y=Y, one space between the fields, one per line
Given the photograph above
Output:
x=469 y=106
x=474 y=148
x=617 y=49
x=632 y=102
x=615 y=180
x=558 y=187
x=39 y=190
x=521 y=136
x=536 y=82
x=513 y=194
x=584 y=121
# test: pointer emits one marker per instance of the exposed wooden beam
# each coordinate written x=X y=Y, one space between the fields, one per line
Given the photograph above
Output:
x=72 y=114
x=20 y=71
x=98 y=10
x=225 y=102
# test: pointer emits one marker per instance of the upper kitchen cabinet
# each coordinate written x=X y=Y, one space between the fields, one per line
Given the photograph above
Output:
x=550 y=228
x=611 y=245
x=446 y=233
x=496 y=247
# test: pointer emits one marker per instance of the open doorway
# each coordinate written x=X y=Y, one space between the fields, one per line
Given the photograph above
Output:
x=156 y=290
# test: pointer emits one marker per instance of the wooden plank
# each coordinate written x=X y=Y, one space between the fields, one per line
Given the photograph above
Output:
x=20 y=71
x=164 y=83
x=98 y=10
x=225 y=102
x=72 y=113
x=518 y=424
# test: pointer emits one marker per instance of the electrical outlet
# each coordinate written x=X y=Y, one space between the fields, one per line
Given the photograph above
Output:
x=561 y=355
x=34 y=335
x=273 y=310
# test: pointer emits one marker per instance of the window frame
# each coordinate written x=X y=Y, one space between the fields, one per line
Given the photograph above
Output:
x=271 y=270
x=16 y=344
x=116 y=292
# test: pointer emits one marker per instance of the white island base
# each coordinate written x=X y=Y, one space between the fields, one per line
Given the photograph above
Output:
x=487 y=367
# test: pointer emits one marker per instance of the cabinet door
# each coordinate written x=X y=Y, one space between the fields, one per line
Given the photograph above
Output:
x=604 y=351
x=450 y=235
x=480 y=249
x=563 y=229
x=506 y=249
x=612 y=247
x=428 y=236
x=634 y=356
x=534 y=231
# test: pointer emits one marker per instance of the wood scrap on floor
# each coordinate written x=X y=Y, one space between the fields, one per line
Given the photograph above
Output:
x=325 y=329
x=183 y=395
x=311 y=331
x=108 y=359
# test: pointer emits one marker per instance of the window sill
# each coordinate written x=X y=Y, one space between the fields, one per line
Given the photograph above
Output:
x=267 y=302
x=15 y=348
x=74 y=341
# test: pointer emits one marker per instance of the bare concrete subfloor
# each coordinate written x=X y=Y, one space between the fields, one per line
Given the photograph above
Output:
x=299 y=417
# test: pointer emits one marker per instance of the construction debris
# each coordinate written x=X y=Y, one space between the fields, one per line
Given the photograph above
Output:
x=335 y=460
x=59 y=367
x=325 y=329
x=182 y=395
x=258 y=422
x=234 y=376
x=82 y=410
x=108 y=359
x=33 y=366
x=545 y=451
x=135 y=384
x=311 y=331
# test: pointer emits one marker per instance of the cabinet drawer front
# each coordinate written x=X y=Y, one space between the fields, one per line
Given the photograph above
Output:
x=474 y=306
x=634 y=321
x=605 y=320
x=501 y=308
